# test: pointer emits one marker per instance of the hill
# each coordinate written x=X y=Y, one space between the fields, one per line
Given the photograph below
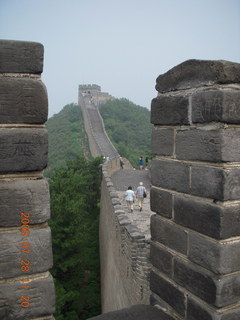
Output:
x=67 y=137
x=128 y=127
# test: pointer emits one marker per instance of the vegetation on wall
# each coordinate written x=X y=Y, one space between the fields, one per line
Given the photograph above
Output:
x=128 y=127
x=67 y=137
x=75 y=198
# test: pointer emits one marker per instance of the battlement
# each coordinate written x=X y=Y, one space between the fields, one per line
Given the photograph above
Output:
x=94 y=91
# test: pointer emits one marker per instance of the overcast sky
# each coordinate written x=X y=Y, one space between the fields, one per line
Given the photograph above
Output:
x=121 y=45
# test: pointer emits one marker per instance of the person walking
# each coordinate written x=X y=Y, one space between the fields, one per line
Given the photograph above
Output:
x=141 y=193
x=129 y=197
x=141 y=163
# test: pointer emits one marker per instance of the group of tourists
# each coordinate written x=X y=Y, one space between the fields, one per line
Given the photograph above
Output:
x=139 y=195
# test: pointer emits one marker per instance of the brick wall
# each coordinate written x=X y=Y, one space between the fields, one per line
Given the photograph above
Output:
x=26 y=286
x=124 y=250
x=195 y=248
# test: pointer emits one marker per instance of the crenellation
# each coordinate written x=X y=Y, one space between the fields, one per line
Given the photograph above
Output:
x=195 y=194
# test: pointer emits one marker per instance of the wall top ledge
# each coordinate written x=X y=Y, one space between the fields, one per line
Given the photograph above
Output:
x=196 y=73
x=21 y=57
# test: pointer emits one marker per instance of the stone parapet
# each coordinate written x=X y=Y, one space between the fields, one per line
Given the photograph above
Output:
x=26 y=286
x=124 y=250
x=195 y=233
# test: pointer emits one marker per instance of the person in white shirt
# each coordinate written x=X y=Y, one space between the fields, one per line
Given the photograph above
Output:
x=129 y=197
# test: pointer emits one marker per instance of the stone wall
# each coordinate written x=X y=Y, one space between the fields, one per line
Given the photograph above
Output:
x=195 y=248
x=124 y=251
x=26 y=286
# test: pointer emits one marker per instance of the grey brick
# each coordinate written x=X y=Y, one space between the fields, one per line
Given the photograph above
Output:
x=216 y=105
x=217 y=183
x=213 y=145
x=41 y=294
x=170 y=110
x=169 y=234
x=168 y=292
x=23 y=101
x=21 y=57
x=198 y=73
x=217 y=291
x=196 y=310
x=220 y=258
x=161 y=259
x=170 y=174
x=20 y=195
x=216 y=221
x=163 y=141
x=23 y=149
x=11 y=252
x=161 y=202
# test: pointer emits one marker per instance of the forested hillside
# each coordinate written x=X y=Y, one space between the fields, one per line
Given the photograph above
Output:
x=129 y=128
x=67 y=137
x=75 y=199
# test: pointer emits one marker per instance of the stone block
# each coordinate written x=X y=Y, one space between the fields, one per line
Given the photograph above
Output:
x=198 y=73
x=24 y=149
x=197 y=310
x=137 y=312
x=208 y=144
x=170 y=110
x=19 y=196
x=213 y=220
x=163 y=142
x=168 y=292
x=170 y=174
x=20 y=249
x=168 y=234
x=21 y=57
x=23 y=101
x=161 y=259
x=217 y=183
x=161 y=202
x=40 y=293
x=217 y=291
x=218 y=257
x=216 y=105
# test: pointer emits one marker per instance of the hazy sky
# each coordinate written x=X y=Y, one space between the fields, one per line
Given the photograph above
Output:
x=121 y=45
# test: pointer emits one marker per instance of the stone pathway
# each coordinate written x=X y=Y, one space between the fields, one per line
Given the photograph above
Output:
x=122 y=179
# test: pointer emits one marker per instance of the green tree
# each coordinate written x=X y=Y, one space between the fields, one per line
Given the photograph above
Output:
x=75 y=197
x=128 y=127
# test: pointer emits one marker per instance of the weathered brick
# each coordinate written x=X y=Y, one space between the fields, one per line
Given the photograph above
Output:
x=216 y=221
x=21 y=57
x=11 y=254
x=168 y=292
x=216 y=105
x=170 y=174
x=208 y=144
x=41 y=294
x=217 y=291
x=170 y=110
x=197 y=310
x=23 y=101
x=161 y=202
x=21 y=195
x=163 y=142
x=161 y=259
x=217 y=183
x=23 y=149
x=169 y=234
x=159 y=302
x=198 y=73
x=220 y=258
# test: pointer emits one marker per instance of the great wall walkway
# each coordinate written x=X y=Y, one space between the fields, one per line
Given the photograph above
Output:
x=121 y=179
